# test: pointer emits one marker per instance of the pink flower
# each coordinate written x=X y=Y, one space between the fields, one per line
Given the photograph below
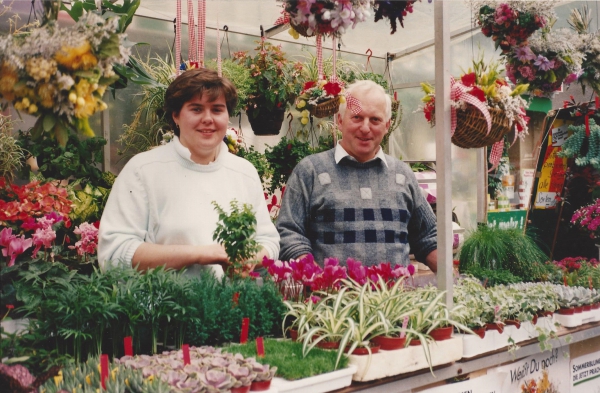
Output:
x=524 y=54
x=356 y=271
x=29 y=224
x=43 y=237
x=527 y=72
x=14 y=246
x=330 y=278
x=89 y=239
x=543 y=63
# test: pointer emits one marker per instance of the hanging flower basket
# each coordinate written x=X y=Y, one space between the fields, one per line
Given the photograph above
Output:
x=302 y=29
x=471 y=128
x=326 y=109
x=266 y=122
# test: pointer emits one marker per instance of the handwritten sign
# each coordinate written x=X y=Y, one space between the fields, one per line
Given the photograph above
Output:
x=552 y=175
x=585 y=373
x=559 y=135
x=507 y=220
x=491 y=383
x=550 y=368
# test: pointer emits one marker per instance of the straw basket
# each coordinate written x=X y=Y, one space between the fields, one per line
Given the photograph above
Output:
x=471 y=128
x=326 y=108
x=302 y=29
x=266 y=122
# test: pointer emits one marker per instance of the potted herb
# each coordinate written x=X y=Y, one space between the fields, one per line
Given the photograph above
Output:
x=235 y=231
x=273 y=86
x=283 y=158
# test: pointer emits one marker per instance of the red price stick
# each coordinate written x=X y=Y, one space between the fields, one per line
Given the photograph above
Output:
x=260 y=347
x=186 y=354
x=245 y=326
x=103 y=370
x=127 y=343
x=395 y=96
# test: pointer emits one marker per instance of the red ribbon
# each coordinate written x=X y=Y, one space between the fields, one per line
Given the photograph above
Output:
x=587 y=125
x=353 y=104
x=458 y=91
x=496 y=154
x=283 y=19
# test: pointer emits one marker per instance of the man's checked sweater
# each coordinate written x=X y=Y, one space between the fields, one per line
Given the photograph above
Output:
x=367 y=211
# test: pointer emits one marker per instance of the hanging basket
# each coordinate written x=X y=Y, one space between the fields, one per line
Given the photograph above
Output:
x=302 y=29
x=326 y=108
x=266 y=122
x=471 y=128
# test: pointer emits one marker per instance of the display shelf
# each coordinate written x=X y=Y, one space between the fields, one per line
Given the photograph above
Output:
x=317 y=384
x=417 y=379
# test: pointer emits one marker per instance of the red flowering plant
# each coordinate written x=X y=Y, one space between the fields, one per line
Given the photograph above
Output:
x=579 y=271
x=511 y=23
x=327 y=17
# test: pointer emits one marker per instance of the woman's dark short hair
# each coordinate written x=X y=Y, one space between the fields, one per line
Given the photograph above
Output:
x=195 y=83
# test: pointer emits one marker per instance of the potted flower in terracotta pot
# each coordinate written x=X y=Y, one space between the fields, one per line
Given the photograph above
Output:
x=273 y=86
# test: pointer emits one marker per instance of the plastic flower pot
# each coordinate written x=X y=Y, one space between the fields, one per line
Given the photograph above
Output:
x=479 y=331
x=548 y=313
x=578 y=309
x=414 y=342
x=294 y=334
x=566 y=311
x=513 y=322
x=364 y=350
x=259 y=386
x=241 y=389
x=387 y=343
x=328 y=344
x=587 y=307
x=441 y=333
x=495 y=326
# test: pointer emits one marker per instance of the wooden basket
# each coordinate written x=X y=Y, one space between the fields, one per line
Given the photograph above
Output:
x=302 y=29
x=326 y=108
x=471 y=128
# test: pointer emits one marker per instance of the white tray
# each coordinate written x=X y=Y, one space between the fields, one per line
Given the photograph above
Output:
x=387 y=363
x=318 y=384
x=577 y=319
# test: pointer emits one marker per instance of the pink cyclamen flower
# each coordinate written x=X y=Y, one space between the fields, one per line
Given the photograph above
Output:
x=356 y=271
x=89 y=239
x=43 y=237
x=14 y=246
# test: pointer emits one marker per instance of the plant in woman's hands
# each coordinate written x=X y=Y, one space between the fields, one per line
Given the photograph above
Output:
x=235 y=231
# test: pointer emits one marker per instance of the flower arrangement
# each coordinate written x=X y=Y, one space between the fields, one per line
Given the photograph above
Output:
x=393 y=10
x=511 y=23
x=549 y=59
x=60 y=74
x=588 y=218
x=320 y=94
x=273 y=78
x=486 y=85
x=327 y=17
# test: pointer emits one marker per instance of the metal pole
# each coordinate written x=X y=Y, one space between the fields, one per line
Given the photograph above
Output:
x=105 y=125
x=481 y=186
x=442 y=147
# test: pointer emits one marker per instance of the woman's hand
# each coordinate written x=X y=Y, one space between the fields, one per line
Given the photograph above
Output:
x=149 y=255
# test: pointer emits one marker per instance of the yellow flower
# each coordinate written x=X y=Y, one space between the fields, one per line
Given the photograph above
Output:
x=76 y=58
x=342 y=99
x=32 y=109
x=46 y=93
x=305 y=113
x=73 y=97
x=304 y=120
x=40 y=69
x=150 y=378
x=294 y=33
x=301 y=104
x=8 y=79
x=88 y=379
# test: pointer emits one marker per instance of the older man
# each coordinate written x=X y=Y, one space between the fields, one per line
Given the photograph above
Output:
x=354 y=200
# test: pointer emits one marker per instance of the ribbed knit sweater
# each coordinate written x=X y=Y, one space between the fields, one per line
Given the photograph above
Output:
x=163 y=197
x=367 y=211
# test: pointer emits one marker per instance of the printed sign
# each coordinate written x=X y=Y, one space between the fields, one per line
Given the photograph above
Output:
x=585 y=373
x=491 y=383
x=549 y=369
x=552 y=176
x=507 y=220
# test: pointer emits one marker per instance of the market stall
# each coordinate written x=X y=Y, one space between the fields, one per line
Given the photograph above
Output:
x=514 y=150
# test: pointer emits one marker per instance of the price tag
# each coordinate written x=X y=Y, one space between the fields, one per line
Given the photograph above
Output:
x=103 y=370
x=260 y=347
x=404 y=325
x=185 y=348
x=128 y=344
x=245 y=327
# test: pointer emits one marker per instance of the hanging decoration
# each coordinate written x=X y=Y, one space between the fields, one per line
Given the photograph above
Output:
x=196 y=37
x=191 y=35
x=511 y=23
x=178 y=38
x=201 y=31
x=393 y=10
x=326 y=17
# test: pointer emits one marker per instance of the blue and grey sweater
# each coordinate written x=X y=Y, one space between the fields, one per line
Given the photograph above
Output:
x=365 y=211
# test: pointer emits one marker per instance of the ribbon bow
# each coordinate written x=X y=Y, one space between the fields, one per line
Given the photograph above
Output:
x=283 y=19
x=353 y=104
x=459 y=91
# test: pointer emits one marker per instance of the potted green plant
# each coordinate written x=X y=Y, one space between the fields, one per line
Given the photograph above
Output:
x=283 y=158
x=274 y=86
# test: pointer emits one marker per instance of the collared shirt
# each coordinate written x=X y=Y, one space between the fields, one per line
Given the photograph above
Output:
x=340 y=153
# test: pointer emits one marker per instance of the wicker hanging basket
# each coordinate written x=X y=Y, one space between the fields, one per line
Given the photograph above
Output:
x=471 y=128
x=302 y=29
x=266 y=122
x=326 y=108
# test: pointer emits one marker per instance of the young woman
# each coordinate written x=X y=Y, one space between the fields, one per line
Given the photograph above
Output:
x=159 y=211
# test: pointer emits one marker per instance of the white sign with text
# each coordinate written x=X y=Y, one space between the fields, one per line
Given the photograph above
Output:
x=585 y=373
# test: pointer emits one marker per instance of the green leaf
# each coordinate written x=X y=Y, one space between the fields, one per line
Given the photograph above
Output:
x=38 y=128
x=49 y=122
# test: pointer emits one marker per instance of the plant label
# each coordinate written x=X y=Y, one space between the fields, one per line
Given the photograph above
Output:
x=103 y=370
x=127 y=343
x=244 y=334
x=404 y=325
x=260 y=347
x=185 y=348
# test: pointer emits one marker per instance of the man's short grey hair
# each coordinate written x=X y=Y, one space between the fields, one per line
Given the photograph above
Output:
x=358 y=88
